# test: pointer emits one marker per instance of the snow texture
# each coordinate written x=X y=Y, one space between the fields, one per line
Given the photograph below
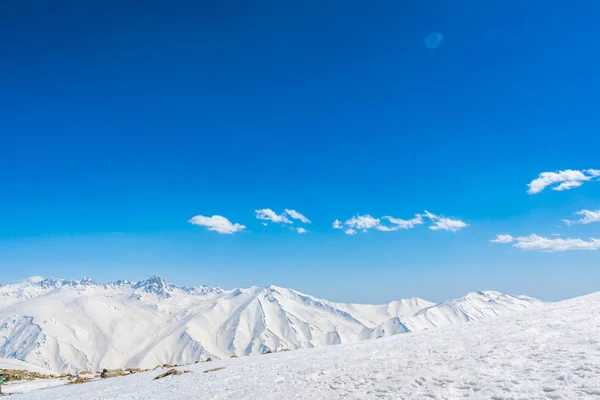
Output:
x=552 y=352
x=11 y=363
x=67 y=326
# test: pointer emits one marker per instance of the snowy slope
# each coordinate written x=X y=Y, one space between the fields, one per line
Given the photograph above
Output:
x=11 y=363
x=81 y=325
x=548 y=353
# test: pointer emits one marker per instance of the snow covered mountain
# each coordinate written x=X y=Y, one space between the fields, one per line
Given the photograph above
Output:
x=546 y=353
x=82 y=325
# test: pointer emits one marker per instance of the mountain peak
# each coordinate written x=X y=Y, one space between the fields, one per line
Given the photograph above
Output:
x=86 y=280
x=200 y=322
x=155 y=285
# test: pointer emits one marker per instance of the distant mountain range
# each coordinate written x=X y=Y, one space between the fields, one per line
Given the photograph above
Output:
x=64 y=325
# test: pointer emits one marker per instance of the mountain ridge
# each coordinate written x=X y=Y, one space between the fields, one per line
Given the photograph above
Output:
x=66 y=325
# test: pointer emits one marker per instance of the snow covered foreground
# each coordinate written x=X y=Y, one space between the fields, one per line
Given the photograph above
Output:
x=69 y=326
x=548 y=353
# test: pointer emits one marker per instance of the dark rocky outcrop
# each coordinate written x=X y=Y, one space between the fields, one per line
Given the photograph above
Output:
x=111 y=373
x=172 y=371
x=23 y=374
x=78 y=380
x=214 y=369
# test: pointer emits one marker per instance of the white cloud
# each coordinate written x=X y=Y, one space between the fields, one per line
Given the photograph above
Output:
x=562 y=180
x=363 y=222
x=366 y=222
x=350 y=232
x=296 y=215
x=588 y=217
x=403 y=223
x=502 y=239
x=539 y=243
x=445 y=224
x=217 y=223
x=301 y=230
x=270 y=215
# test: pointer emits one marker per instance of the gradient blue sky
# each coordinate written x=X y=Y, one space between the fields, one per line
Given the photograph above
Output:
x=119 y=122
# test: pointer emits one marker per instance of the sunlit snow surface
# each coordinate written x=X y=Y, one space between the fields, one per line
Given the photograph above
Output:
x=549 y=353
x=66 y=326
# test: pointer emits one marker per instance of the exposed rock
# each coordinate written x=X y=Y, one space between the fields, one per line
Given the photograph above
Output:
x=208 y=359
x=133 y=370
x=187 y=371
x=79 y=380
x=234 y=356
x=172 y=371
x=23 y=374
x=214 y=369
x=111 y=373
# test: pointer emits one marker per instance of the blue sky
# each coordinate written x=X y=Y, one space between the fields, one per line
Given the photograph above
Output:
x=119 y=123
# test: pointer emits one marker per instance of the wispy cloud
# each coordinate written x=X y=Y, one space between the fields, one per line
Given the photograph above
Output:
x=269 y=215
x=389 y=224
x=503 y=239
x=441 y=223
x=350 y=231
x=549 y=244
x=362 y=222
x=588 y=217
x=562 y=180
x=404 y=223
x=217 y=223
x=301 y=230
x=296 y=215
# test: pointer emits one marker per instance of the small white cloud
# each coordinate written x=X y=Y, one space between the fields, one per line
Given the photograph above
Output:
x=296 y=215
x=217 y=223
x=445 y=224
x=362 y=222
x=366 y=222
x=403 y=223
x=539 y=243
x=301 y=230
x=502 y=239
x=270 y=215
x=350 y=231
x=568 y=185
x=562 y=180
x=588 y=217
